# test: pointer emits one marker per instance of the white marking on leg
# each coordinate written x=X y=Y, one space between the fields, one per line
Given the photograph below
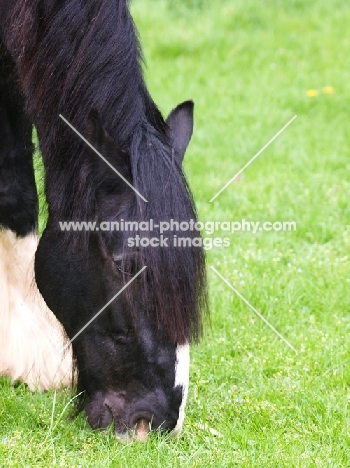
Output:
x=182 y=373
x=30 y=334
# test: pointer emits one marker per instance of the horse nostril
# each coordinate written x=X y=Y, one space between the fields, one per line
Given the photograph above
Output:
x=142 y=428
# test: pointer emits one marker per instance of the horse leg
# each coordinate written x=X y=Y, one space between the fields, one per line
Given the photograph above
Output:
x=30 y=336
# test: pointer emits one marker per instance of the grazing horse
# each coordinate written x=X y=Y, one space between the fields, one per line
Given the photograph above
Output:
x=82 y=61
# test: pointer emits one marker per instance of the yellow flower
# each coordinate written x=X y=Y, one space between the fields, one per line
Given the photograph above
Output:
x=328 y=90
x=312 y=92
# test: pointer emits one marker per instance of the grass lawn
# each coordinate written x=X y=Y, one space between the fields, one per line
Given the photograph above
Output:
x=250 y=66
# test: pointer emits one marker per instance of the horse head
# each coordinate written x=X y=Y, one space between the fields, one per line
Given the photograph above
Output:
x=129 y=325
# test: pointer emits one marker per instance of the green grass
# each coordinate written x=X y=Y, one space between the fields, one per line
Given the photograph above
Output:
x=248 y=66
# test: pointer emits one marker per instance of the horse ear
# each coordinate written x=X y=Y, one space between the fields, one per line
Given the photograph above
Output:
x=180 y=128
x=98 y=136
x=100 y=139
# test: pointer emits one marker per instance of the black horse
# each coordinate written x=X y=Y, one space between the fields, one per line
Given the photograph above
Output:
x=82 y=60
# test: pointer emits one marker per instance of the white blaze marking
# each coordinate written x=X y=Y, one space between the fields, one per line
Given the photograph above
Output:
x=182 y=372
x=30 y=334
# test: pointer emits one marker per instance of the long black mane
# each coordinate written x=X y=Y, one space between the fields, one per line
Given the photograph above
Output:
x=73 y=55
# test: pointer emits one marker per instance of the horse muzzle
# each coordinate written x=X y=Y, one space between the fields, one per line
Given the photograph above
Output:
x=130 y=425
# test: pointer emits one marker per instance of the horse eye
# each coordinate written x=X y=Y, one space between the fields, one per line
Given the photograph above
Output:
x=119 y=268
x=117 y=264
